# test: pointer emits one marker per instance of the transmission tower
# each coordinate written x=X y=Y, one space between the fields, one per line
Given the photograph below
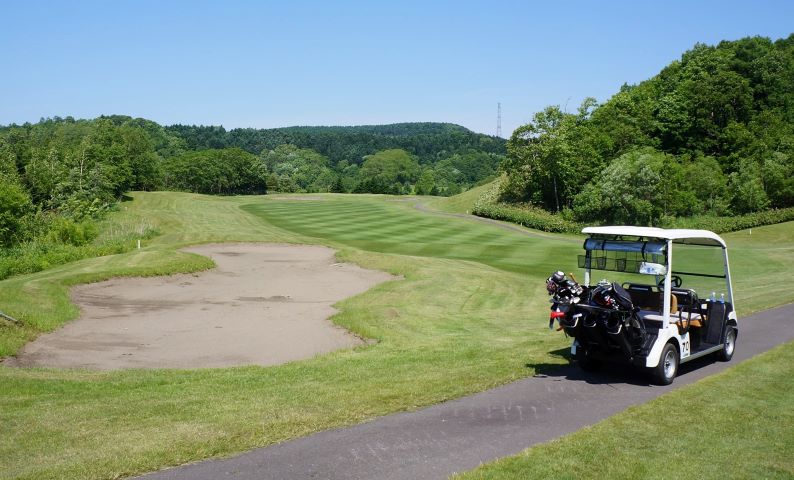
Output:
x=499 y=120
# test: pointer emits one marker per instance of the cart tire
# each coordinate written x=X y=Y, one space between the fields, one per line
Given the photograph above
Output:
x=665 y=372
x=586 y=361
x=728 y=347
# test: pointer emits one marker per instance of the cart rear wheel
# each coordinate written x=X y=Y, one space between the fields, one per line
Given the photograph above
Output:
x=586 y=361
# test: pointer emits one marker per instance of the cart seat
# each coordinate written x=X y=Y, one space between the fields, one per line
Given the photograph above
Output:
x=695 y=320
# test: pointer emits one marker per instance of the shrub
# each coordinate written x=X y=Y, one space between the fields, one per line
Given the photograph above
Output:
x=539 y=219
x=67 y=241
x=15 y=205
x=527 y=216
x=68 y=232
x=522 y=214
x=732 y=224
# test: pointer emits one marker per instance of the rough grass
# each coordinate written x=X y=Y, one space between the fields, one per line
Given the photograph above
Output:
x=736 y=424
x=470 y=314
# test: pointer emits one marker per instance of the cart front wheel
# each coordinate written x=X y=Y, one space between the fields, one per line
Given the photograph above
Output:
x=667 y=369
x=729 y=346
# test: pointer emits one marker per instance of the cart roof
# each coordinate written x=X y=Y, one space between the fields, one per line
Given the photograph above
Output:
x=691 y=237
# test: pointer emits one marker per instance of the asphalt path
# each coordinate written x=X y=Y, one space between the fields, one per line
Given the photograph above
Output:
x=459 y=435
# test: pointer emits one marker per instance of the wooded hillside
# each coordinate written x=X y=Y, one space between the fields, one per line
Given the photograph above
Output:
x=711 y=134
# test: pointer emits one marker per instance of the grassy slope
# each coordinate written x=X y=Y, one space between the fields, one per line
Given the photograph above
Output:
x=737 y=424
x=469 y=315
x=461 y=203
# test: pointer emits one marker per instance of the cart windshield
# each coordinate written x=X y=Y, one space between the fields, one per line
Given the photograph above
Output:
x=646 y=260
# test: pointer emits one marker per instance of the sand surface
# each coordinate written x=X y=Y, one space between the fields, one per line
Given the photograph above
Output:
x=263 y=304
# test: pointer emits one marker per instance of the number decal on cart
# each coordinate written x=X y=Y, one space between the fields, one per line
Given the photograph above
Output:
x=685 y=349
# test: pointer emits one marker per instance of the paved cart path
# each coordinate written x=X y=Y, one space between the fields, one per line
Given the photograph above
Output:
x=455 y=436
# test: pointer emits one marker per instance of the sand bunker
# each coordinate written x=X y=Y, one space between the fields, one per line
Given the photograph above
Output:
x=263 y=305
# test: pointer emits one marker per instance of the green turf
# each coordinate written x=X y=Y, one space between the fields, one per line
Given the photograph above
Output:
x=469 y=314
x=449 y=328
x=392 y=226
x=461 y=203
x=395 y=227
x=735 y=425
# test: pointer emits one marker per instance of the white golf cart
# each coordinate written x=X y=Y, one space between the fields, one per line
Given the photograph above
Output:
x=651 y=319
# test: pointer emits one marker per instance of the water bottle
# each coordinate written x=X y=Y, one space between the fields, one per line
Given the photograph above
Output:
x=722 y=298
x=713 y=297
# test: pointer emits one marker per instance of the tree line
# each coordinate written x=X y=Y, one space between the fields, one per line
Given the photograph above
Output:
x=711 y=134
x=59 y=175
x=428 y=142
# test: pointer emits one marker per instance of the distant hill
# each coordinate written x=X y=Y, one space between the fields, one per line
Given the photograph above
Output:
x=428 y=141
x=392 y=129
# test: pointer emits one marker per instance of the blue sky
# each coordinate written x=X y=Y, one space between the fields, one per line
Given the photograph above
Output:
x=269 y=64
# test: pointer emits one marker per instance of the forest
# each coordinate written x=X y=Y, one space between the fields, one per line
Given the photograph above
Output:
x=711 y=135
x=59 y=176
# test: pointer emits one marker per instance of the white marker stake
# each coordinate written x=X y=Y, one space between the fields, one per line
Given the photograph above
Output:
x=139 y=244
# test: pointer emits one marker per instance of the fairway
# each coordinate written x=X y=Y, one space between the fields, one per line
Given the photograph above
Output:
x=469 y=314
x=389 y=226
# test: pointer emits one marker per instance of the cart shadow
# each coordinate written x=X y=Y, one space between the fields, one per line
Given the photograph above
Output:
x=609 y=373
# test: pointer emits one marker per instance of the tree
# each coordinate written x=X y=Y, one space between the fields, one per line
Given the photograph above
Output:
x=712 y=190
x=777 y=174
x=426 y=185
x=639 y=188
x=748 y=188
x=299 y=169
x=549 y=159
x=225 y=172
x=388 y=171
x=15 y=204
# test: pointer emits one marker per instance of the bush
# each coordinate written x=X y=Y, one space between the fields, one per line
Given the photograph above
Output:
x=527 y=216
x=15 y=205
x=522 y=214
x=539 y=219
x=68 y=232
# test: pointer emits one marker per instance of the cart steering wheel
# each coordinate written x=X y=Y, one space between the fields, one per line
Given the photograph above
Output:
x=675 y=281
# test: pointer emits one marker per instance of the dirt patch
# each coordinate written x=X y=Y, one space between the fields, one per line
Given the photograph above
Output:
x=262 y=305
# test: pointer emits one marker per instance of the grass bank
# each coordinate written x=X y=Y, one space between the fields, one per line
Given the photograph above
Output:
x=461 y=203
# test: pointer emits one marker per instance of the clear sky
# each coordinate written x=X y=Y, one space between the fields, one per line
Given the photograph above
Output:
x=269 y=64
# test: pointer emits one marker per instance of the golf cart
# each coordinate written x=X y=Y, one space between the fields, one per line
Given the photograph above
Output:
x=652 y=319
